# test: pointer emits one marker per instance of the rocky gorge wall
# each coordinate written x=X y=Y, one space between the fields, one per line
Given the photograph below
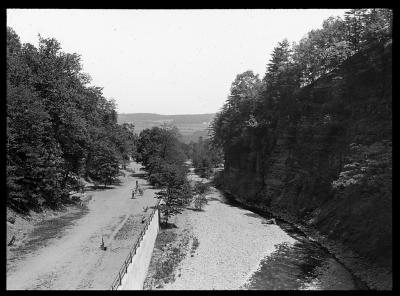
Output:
x=331 y=169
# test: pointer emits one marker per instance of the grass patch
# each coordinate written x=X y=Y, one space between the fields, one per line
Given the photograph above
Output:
x=131 y=228
x=170 y=249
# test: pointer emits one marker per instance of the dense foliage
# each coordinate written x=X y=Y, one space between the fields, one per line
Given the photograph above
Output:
x=200 y=190
x=58 y=127
x=254 y=103
x=204 y=156
x=163 y=156
x=312 y=138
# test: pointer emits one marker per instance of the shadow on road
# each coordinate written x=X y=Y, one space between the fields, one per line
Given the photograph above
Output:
x=44 y=232
x=139 y=175
x=101 y=187
x=194 y=209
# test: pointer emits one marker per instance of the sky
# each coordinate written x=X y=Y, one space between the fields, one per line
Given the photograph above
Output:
x=168 y=61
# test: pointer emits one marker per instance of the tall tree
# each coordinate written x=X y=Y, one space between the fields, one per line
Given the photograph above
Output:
x=162 y=155
x=58 y=127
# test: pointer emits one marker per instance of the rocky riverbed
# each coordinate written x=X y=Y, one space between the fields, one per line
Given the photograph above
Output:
x=226 y=246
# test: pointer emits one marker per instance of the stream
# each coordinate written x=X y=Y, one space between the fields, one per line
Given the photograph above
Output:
x=302 y=265
x=238 y=249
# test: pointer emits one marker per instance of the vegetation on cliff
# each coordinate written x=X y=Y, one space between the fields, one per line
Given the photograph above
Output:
x=313 y=137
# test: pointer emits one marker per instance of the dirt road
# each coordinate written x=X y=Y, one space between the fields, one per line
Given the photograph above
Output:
x=71 y=258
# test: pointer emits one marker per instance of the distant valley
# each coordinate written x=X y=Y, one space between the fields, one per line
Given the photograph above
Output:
x=191 y=126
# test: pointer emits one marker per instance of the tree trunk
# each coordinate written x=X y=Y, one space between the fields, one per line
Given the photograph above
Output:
x=166 y=221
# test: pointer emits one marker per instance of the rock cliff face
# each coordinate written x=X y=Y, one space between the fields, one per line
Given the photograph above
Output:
x=331 y=168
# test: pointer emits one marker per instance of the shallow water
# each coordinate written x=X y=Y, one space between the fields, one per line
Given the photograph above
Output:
x=304 y=265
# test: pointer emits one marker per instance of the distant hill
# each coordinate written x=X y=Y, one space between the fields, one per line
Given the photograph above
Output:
x=194 y=136
x=191 y=126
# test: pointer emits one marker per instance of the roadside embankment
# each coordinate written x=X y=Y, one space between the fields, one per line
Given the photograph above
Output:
x=64 y=253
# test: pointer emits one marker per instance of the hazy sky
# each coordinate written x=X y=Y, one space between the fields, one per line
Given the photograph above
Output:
x=168 y=61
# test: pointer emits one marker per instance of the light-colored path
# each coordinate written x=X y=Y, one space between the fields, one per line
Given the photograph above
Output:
x=233 y=241
x=75 y=261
